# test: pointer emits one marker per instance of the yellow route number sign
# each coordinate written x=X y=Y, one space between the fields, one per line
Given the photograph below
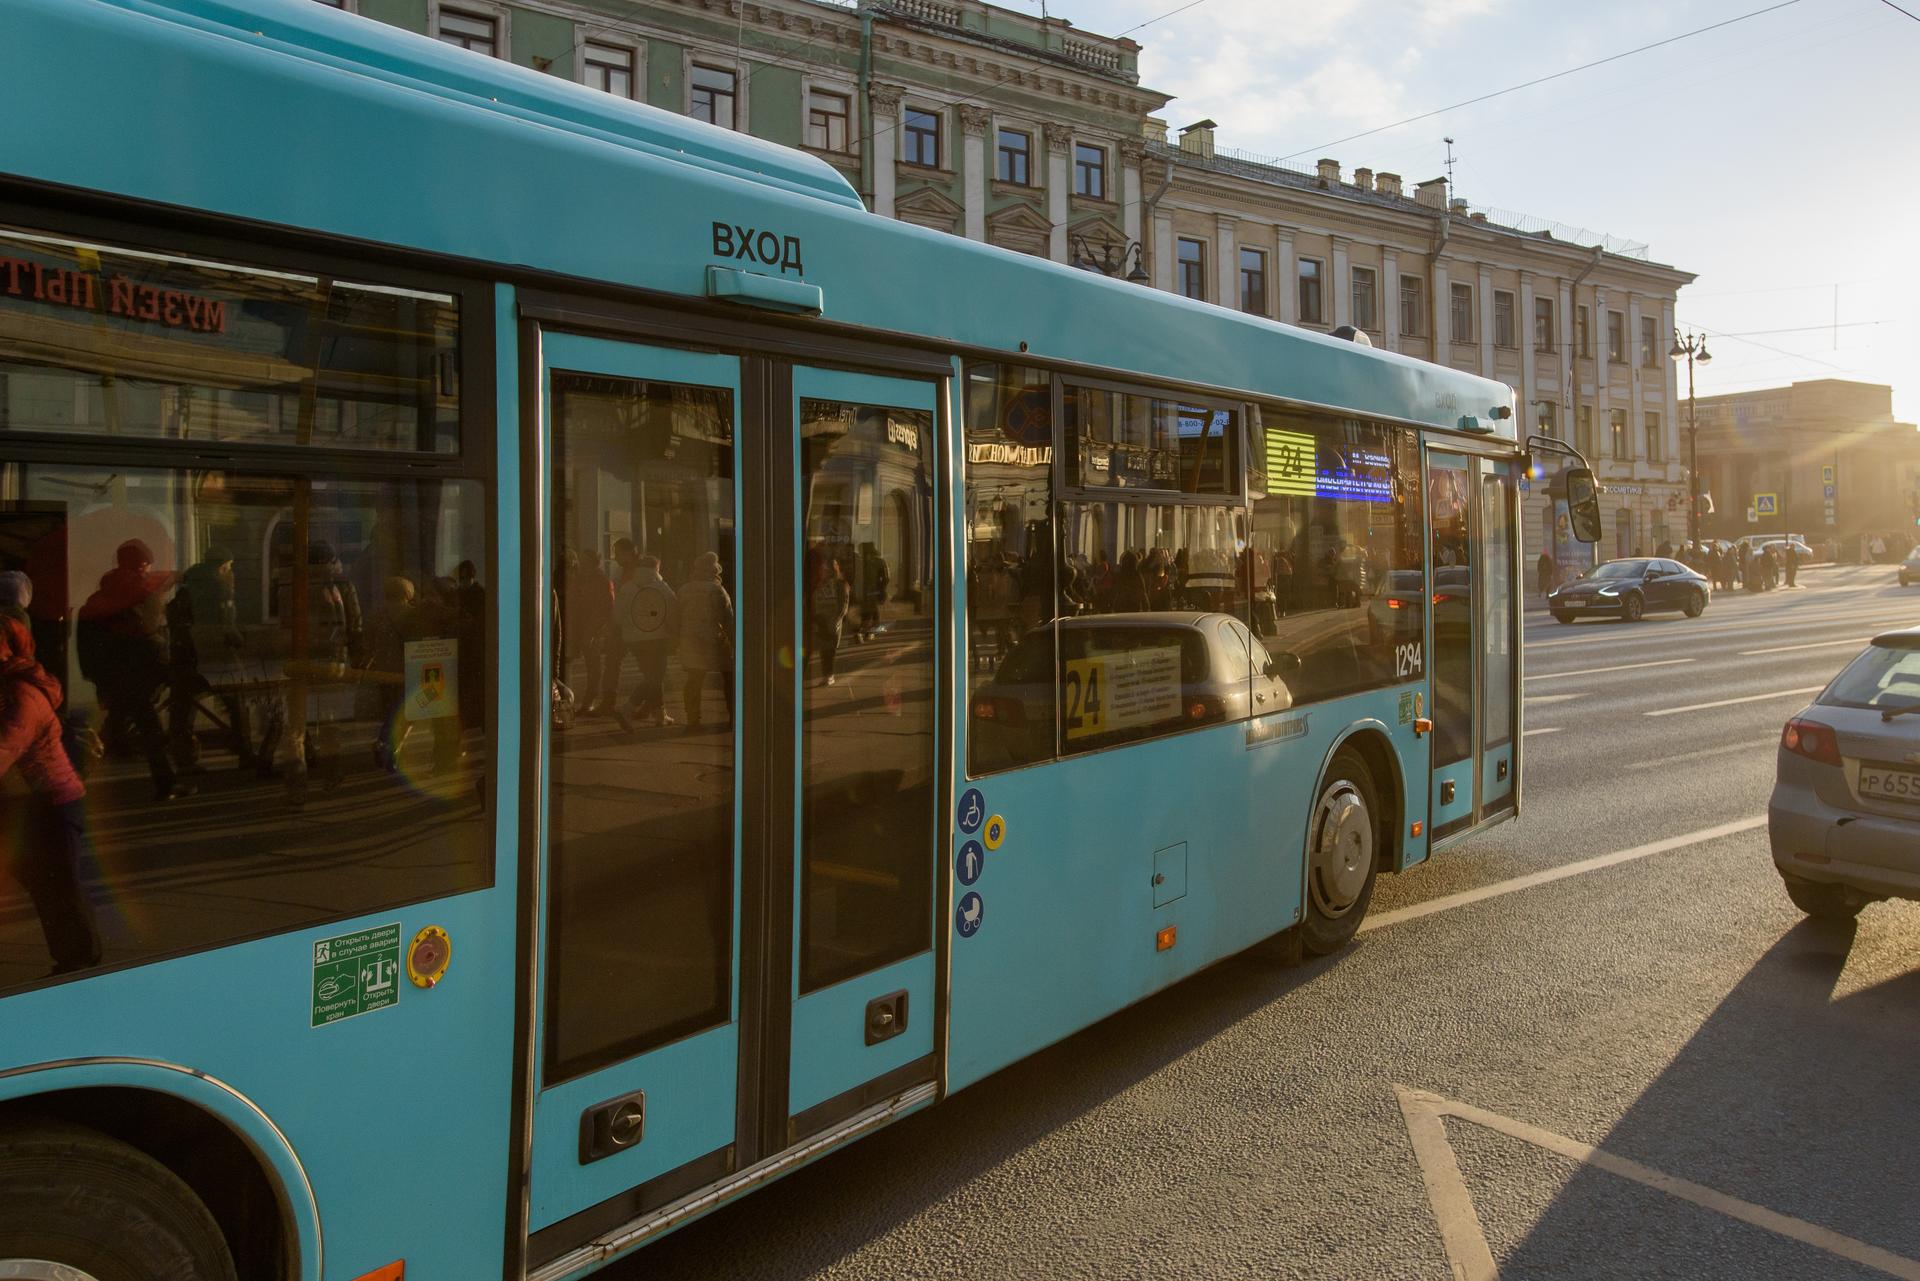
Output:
x=1122 y=690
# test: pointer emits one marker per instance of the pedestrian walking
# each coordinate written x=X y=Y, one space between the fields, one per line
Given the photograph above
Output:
x=827 y=612
x=1544 y=572
x=1790 y=557
x=42 y=799
x=643 y=614
x=120 y=634
x=706 y=637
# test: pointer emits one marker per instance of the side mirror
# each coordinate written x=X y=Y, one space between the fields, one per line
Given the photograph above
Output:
x=1583 y=504
x=1282 y=665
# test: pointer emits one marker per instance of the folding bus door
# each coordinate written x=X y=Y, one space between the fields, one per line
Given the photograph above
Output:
x=739 y=808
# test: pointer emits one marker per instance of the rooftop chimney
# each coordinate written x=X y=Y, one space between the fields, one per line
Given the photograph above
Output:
x=1432 y=193
x=1387 y=184
x=1329 y=172
x=1457 y=205
x=1154 y=129
x=1363 y=179
x=1198 y=138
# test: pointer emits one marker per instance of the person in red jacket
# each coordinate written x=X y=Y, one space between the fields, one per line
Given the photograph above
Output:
x=42 y=801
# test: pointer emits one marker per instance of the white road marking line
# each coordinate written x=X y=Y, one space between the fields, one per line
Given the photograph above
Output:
x=1746 y=745
x=1729 y=702
x=1544 y=729
x=1550 y=698
x=1470 y=1256
x=1599 y=671
x=1792 y=649
x=1447 y=902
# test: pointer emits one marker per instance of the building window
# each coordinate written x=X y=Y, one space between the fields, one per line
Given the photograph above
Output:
x=1647 y=353
x=1583 y=432
x=1546 y=418
x=1617 y=433
x=1192 y=260
x=1460 y=316
x=827 y=117
x=1014 y=157
x=1310 y=309
x=1413 y=306
x=1363 y=295
x=1089 y=171
x=1616 y=337
x=474 y=32
x=1653 y=437
x=711 y=96
x=922 y=138
x=1543 y=324
x=1582 y=333
x=1253 y=282
x=1503 y=319
x=608 y=68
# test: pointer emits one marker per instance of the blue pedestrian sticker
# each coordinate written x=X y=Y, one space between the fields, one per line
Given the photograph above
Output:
x=967 y=916
x=973 y=810
x=968 y=862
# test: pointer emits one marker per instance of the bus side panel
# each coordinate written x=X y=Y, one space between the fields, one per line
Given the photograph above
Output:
x=1068 y=924
x=400 y=1116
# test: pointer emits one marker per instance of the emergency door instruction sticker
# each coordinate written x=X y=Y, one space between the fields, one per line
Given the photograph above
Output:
x=972 y=811
x=433 y=690
x=1124 y=690
x=969 y=862
x=356 y=973
x=968 y=915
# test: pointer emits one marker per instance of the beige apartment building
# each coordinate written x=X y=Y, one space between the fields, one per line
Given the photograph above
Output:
x=1036 y=135
x=1822 y=459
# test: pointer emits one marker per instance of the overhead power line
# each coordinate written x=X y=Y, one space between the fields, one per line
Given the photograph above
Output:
x=1585 y=66
x=1897 y=9
x=1803 y=329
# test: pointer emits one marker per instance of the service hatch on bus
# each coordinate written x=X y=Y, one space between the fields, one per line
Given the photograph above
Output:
x=554 y=669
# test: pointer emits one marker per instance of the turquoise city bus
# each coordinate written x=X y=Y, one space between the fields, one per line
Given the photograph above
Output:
x=604 y=672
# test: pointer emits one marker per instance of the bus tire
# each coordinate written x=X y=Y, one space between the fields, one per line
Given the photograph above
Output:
x=72 y=1196
x=1343 y=854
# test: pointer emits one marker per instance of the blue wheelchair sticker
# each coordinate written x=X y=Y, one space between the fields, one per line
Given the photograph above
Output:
x=973 y=810
x=968 y=915
x=968 y=863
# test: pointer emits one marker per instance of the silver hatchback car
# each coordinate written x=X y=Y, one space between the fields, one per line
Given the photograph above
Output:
x=1844 y=819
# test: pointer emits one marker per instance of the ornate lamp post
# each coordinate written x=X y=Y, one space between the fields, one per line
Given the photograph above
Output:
x=1694 y=348
x=1112 y=259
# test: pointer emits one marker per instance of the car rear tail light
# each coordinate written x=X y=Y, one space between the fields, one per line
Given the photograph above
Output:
x=1394 y=602
x=1205 y=707
x=1001 y=711
x=1812 y=740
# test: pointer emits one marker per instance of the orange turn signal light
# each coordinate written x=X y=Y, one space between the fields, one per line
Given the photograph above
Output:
x=395 y=1271
x=1419 y=828
x=1164 y=939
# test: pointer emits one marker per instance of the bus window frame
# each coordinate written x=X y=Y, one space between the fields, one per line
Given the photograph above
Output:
x=163 y=230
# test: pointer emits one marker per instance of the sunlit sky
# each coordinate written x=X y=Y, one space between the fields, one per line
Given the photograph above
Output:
x=1778 y=158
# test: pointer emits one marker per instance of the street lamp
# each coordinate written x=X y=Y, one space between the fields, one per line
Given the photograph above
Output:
x=1112 y=259
x=1694 y=348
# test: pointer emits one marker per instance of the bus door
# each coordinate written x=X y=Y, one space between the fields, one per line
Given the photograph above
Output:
x=1475 y=638
x=737 y=826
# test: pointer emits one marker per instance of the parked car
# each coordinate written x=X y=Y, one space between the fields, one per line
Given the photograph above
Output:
x=1628 y=589
x=1780 y=545
x=1844 y=819
x=1396 y=614
x=1122 y=677
x=1910 y=568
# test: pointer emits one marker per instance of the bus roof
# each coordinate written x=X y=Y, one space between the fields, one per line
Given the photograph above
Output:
x=287 y=112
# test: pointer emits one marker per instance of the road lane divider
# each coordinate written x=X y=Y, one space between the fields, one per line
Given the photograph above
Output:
x=1725 y=749
x=1794 y=649
x=1447 y=902
x=1544 y=729
x=1729 y=702
x=1601 y=671
x=1550 y=698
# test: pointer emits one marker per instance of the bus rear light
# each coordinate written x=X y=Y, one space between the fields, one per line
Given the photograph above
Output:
x=1166 y=938
x=1812 y=740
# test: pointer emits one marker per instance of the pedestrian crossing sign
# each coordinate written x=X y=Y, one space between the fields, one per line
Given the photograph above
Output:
x=1766 y=504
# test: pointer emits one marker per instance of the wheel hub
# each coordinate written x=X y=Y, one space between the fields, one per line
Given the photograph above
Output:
x=40 y=1270
x=1342 y=850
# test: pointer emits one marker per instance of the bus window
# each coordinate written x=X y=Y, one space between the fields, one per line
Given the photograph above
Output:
x=1339 y=579
x=287 y=677
x=1010 y=560
x=1122 y=440
x=161 y=347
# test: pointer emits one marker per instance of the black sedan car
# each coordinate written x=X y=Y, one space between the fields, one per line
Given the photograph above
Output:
x=1628 y=589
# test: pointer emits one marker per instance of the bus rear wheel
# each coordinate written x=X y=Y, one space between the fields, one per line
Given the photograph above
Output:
x=1343 y=845
x=75 y=1203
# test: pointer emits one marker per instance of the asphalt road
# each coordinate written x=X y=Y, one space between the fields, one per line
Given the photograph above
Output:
x=1650 y=1068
